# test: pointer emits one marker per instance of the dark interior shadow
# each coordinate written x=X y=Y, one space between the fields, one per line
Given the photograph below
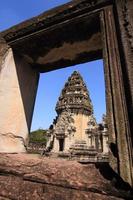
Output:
x=114 y=149
x=28 y=83
x=124 y=189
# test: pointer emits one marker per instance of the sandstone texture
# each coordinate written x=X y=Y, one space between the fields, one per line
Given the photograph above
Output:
x=12 y=143
x=18 y=86
x=26 y=176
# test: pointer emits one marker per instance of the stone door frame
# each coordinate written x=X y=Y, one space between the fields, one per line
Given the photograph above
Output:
x=14 y=51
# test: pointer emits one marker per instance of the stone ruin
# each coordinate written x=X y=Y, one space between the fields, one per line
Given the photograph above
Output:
x=75 y=132
x=80 y=31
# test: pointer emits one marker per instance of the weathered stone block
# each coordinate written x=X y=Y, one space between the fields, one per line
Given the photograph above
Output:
x=18 y=84
x=11 y=143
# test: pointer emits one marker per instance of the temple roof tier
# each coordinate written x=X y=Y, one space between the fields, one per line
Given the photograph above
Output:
x=75 y=96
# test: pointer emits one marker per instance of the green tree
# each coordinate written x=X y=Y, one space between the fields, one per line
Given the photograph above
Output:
x=38 y=136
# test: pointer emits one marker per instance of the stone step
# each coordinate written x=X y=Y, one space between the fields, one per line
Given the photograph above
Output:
x=80 y=148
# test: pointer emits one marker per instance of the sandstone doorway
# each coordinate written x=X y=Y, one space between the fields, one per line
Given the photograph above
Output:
x=61 y=144
x=79 y=32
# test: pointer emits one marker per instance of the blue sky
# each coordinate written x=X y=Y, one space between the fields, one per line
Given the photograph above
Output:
x=50 y=85
x=14 y=11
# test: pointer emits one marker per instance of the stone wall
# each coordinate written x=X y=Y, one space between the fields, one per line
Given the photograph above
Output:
x=18 y=84
x=36 y=147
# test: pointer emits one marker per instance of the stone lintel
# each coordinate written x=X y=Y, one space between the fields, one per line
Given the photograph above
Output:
x=74 y=38
x=53 y=16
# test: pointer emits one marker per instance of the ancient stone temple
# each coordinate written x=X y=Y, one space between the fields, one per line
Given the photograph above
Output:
x=75 y=130
x=80 y=31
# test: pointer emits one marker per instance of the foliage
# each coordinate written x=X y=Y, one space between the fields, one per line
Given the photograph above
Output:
x=39 y=136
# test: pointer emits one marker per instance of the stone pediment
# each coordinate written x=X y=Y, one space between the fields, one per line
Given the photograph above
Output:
x=65 y=124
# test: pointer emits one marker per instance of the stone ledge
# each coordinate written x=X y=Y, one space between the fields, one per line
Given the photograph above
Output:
x=24 y=176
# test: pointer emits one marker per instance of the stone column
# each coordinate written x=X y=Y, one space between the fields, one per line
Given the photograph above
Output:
x=120 y=156
x=18 y=86
x=67 y=143
x=124 y=11
x=105 y=141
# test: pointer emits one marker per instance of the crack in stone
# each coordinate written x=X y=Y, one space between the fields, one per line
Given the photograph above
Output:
x=80 y=189
x=4 y=197
x=14 y=136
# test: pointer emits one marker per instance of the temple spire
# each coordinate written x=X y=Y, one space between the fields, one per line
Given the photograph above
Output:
x=75 y=96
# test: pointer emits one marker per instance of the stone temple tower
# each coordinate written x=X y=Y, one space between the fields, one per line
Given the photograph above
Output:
x=69 y=134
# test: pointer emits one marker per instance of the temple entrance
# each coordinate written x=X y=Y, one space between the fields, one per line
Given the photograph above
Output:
x=76 y=33
x=61 y=144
